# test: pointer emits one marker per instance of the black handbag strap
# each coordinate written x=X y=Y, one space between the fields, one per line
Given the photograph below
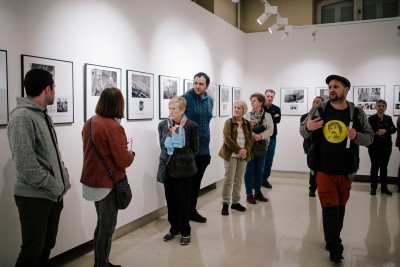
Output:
x=109 y=172
x=262 y=118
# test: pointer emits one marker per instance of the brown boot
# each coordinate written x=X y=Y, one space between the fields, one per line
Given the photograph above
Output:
x=260 y=197
x=250 y=199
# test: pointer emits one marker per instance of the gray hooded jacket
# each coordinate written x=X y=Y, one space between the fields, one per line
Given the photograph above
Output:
x=40 y=170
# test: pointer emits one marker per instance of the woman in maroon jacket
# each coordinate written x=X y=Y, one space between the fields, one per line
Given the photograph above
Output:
x=110 y=139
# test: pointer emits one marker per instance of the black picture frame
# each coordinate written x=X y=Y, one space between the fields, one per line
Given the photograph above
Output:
x=98 y=77
x=4 y=112
x=168 y=88
x=365 y=97
x=139 y=95
x=294 y=101
x=62 y=111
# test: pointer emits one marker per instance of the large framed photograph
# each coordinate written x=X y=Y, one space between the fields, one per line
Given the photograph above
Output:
x=294 y=101
x=212 y=92
x=62 y=110
x=225 y=100
x=365 y=97
x=139 y=95
x=187 y=85
x=3 y=88
x=322 y=92
x=396 y=99
x=98 y=78
x=169 y=87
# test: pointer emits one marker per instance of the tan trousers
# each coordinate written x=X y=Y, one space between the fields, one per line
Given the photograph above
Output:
x=234 y=170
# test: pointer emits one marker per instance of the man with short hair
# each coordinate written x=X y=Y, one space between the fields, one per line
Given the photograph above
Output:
x=275 y=112
x=42 y=179
x=335 y=161
x=199 y=109
x=306 y=143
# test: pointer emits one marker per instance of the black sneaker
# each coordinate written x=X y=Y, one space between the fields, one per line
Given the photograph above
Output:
x=312 y=194
x=168 y=237
x=238 y=207
x=225 y=210
x=266 y=184
x=196 y=217
x=336 y=258
x=373 y=192
x=387 y=192
x=185 y=240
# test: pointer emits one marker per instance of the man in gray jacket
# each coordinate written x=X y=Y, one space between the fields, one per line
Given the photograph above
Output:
x=42 y=180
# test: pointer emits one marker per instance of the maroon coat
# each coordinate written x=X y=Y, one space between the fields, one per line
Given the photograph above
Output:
x=110 y=139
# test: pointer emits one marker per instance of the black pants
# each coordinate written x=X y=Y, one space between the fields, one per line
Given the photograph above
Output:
x=379 y=161
x=177 y=194
x=39 y=218
x=202 y=161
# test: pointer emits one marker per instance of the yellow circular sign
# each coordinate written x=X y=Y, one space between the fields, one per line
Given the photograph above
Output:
x=335 y=131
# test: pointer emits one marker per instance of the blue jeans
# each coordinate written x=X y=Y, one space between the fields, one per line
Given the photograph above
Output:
x=253 y=175
x=107 y=212
x=269 y=158
x=39 y=219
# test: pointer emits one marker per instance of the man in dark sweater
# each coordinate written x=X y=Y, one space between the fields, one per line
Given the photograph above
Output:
x=275 y=112
x=199 y=109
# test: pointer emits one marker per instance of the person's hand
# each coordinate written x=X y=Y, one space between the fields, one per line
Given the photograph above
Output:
x=257 y=137
x=314 y=124
x=381 y=132
x=351 y=133
x=242 y=153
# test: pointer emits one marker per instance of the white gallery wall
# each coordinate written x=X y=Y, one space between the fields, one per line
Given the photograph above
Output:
x=174 y=38
x=367 y=53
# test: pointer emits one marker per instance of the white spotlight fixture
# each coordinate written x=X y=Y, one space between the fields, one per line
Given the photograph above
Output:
x=235 y=1
x=279 y=23
x=269 y=10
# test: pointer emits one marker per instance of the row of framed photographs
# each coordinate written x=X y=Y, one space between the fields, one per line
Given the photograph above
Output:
x=139 y=89
x=294 y=100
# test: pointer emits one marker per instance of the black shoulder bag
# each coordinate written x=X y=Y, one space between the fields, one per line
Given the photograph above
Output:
x=123 y=192
x=259 y=148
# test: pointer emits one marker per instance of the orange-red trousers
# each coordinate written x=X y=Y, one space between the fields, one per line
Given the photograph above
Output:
x=333 y=189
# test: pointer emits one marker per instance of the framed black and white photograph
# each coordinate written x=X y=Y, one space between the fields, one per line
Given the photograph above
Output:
x=187 y=85
x=212 y=92
x=3 y=88
x=98 y=78
x=236 y=95
x=139 y=95
x=62 y=110
x=169 y=87
x=322 y=92
x=365 y=97
x=396 y=99
x=225 y=101
x=294 y=101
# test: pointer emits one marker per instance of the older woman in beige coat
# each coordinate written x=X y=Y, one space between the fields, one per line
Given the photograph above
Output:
x=236 y=151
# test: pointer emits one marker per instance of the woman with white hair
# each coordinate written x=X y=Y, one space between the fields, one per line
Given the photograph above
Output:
x=236 y=152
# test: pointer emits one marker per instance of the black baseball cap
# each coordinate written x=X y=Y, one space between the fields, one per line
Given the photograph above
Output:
x=338 y=78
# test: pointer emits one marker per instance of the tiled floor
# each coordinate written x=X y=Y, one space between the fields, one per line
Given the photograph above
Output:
x=286 y=231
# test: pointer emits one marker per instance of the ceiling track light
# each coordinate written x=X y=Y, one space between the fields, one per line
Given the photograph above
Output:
x=279 y=23
x=269 y=10
x=314 y=34
x=288 y=30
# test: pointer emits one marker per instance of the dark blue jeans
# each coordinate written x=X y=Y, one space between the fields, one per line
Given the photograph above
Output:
x=269 y=158
x=107 y=212
x=39 y=219
x=253 y=175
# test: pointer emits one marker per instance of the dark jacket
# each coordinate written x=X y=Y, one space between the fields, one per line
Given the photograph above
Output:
x=230 y=139
x=364 y=137
x=398 y=132
x=386 y=123
x=181 y=163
